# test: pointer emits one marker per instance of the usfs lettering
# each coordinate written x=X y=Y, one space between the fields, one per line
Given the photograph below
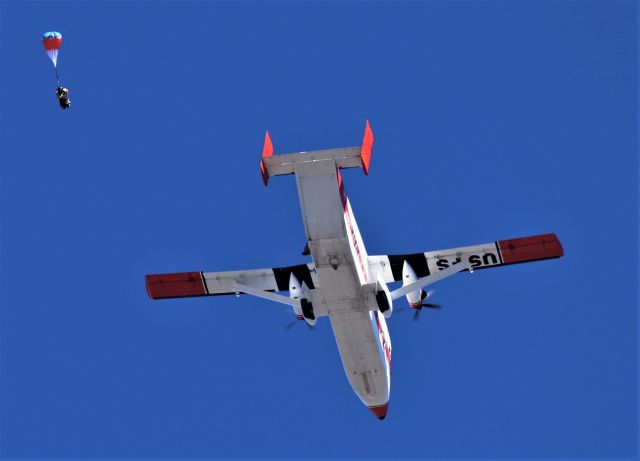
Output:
x=486 y=259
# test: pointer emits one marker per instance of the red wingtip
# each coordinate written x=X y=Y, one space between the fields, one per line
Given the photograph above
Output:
x=367 y=147
x=177 y=285
x=147 y=282
x=530 y=248
x=267 y=151
x=380 y=411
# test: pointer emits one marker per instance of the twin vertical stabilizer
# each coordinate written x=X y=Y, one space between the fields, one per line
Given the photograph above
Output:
x=345 y=157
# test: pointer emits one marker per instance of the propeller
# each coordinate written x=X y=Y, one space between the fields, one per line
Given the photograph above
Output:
x=289 y=326
x=428 y=295
x=416 y=314
x=432 y=306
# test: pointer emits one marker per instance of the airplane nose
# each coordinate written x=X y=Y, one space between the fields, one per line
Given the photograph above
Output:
x=380 y=411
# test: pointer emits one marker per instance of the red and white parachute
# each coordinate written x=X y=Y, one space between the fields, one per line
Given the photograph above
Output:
x=52 y=42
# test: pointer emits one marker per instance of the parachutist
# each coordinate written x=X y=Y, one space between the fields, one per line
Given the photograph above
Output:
x=52 y=41
x=63 y=97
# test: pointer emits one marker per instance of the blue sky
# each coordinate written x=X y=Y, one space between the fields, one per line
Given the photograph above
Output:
x=492 y=120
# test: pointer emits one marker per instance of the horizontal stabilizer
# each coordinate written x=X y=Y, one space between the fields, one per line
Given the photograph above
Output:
x=344 y=157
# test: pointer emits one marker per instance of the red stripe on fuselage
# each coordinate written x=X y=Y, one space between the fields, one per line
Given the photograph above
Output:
x=352 y=233
x=383 y=340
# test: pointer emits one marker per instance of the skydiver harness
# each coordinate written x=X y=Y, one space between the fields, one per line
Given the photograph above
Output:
x=63 y=97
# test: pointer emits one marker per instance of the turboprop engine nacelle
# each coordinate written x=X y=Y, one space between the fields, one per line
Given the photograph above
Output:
x=414 y=298
x=295 y=292
x=305 y=309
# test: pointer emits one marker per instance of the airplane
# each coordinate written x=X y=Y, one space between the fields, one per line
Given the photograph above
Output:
x=343 y=282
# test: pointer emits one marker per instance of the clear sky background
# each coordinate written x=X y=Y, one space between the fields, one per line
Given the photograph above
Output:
x=492 y=120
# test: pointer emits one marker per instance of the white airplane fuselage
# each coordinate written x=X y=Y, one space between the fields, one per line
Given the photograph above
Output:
x=342 y=271
x=344 y=283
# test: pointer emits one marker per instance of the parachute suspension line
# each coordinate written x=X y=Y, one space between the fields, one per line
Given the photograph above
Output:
x=57 y=78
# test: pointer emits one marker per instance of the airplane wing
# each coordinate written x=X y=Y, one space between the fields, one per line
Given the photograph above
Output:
x=187 y=284
x=429 y=279
x=494 y=254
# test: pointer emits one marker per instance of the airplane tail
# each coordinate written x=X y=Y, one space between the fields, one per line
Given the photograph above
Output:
x=345 y=157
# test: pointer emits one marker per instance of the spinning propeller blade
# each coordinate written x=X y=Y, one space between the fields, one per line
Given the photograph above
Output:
x=429 y=294
x=432 y=306
x=289 y=326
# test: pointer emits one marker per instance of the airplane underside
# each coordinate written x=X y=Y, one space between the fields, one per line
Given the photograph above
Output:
x=344 y=282
x=339 y=294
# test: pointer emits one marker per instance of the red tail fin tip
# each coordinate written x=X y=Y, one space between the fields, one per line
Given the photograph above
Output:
x=367 y=147
x=267 y=151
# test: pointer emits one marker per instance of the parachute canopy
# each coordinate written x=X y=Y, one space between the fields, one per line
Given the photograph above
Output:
x=52 y=42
